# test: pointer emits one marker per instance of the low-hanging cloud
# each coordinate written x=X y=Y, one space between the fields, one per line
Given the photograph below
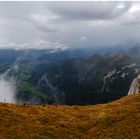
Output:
x=7 y=89
x=39 y=44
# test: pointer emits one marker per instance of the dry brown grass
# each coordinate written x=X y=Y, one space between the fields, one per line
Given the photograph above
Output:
x=119 y=119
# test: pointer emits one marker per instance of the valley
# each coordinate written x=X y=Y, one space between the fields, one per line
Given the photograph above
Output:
x=42 y=77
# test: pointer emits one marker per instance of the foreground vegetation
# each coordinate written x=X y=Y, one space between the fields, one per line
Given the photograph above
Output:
x=119 y=119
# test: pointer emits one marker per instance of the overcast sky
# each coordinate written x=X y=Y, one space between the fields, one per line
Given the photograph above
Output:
x=68 y=24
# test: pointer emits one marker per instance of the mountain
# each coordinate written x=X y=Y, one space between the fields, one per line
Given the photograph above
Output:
x=119 y=119
x=72 y=76
x=135 y=86
x=16 y=67
x=97 y=79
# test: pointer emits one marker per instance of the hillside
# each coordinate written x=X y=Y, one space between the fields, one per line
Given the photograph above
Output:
x=96 y=79
x=118 y=119
x=64 y=77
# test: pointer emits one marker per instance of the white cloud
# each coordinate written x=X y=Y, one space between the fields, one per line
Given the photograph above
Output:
x=83 y=39
x=132 y=16
x=39 y=44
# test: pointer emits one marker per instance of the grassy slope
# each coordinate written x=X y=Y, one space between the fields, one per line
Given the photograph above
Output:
x=119 y=119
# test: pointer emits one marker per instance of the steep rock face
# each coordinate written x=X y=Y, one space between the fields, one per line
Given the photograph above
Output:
x=135 y=86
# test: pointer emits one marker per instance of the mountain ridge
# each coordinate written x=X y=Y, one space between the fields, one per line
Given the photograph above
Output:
x=67 y=77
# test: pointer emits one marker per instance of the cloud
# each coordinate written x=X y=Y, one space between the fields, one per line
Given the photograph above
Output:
x=85 y=11
x=28 y=23
x=8 y=89
x=132 y=16
x=40 y=44
x=61 y=15
x=43 y=22
x=83 y=39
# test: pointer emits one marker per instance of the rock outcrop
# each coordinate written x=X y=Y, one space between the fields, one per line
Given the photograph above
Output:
x=135 y=86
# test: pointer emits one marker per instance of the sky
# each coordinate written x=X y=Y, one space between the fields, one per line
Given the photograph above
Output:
x=62 y=25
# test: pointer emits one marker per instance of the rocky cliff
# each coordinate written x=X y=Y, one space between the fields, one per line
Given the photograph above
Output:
x=135 y=86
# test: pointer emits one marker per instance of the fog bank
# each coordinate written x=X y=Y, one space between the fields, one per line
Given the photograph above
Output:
x=7 y=88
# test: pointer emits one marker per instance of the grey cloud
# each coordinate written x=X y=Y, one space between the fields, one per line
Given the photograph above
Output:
x=24 y=23
x=67 y=13
x=89 y=10
x=20 y=10
x=132 y=17
x=43 y=22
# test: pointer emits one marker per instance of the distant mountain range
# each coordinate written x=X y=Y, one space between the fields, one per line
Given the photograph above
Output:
x=73 y=76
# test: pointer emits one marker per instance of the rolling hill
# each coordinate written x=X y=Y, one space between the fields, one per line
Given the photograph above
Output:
x=118 y=119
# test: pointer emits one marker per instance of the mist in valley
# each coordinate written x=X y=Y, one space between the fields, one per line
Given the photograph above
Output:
x=7 y=89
